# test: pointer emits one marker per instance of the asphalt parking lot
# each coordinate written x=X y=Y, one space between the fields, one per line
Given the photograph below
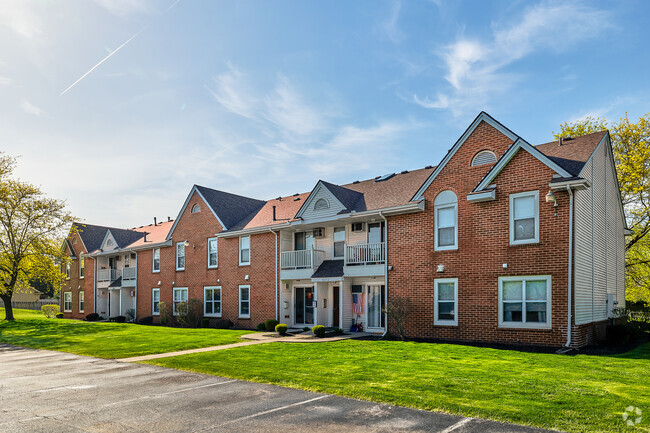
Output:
x=45 y=391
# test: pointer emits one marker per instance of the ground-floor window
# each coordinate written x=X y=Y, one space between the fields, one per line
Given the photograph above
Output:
x=81 y=301
x=180 y=295
x=525 y=302
x=67 y=302
x=155 y=301
x=212 y=301
x=445 y=301
x=375 y=306
x=245 y=301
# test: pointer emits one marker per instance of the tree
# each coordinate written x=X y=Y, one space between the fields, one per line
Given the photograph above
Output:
x=31 y=229
x=631 y=148
x=398 y=310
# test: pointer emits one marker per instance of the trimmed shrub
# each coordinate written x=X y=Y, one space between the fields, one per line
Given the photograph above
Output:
x=120 y=319
x=618 y=335
x=338 y=331
x=92 y=317
x=319 y=331
x=205 y=322
x=189 y=313
x=306 y=328
x=165 y=313
x=270 y=324
x=281 y=328
x=147 y=320
x=50 y=310
x=59 y=315
x=261 y=327
x=223 y=324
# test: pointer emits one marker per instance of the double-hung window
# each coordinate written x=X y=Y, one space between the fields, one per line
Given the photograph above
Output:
x=524 y=218
x=245 y=302
x=446 y=221
x=67 y=302
x=212 y=253
x=445 y=301
x=180 y=295
x=67 y=270
x=244 y=250
x=339 y=241
x=82 y=266
x=525 y=302
x=212 y=301
x=81 y=302
x=155 y=302
x=155 y=260
x=180 y=256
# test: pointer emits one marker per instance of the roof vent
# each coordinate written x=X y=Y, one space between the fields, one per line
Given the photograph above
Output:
x=384 y=177
x=404 y=172
x=428 y=167
x=279 y=198
x=355 y=182
x=296 y=199
x=296 y=195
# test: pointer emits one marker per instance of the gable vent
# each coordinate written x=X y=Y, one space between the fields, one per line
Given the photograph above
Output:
x=384 y=177
x=484 y=157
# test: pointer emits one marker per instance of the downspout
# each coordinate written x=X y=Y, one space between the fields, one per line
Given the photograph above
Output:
x=570 y=279
x=385 y=274
x=277 y=317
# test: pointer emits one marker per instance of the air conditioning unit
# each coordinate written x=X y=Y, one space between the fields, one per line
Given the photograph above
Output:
x=133 y=255
x=132 y=293
x=358 y=227
x=319 y=232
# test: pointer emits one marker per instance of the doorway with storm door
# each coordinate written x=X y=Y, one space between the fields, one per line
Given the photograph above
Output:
x=304 y=306
x=376 y=304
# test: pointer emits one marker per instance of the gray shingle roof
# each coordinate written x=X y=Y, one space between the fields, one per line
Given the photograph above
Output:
x=230 y=208
x=329 y=269
x=352 y=200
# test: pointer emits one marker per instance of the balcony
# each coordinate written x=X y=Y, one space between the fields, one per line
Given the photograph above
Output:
x=129 y=276
x=108 y=275
x=303 y=259
x=364 y=254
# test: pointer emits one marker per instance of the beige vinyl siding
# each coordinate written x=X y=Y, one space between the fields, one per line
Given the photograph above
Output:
x=335 y=206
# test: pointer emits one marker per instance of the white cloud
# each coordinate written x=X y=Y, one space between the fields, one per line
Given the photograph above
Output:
x=22 y=17
x=29 y=108
x=232 y=92
x=5 y=81
x=125 y=7
x=286 y=109
x=477 y=70
x=390 y=27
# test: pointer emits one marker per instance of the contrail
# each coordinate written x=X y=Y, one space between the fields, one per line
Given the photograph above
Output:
x=119 y=48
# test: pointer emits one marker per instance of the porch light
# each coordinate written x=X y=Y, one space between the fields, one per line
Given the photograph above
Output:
x=286 y=305
x=441 y=268
x=186 y=243
x=550 y=198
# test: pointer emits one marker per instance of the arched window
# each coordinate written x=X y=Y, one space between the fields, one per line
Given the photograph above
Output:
x=321 y=203
x=446 y=221
x=484 y=157
x=196 y=208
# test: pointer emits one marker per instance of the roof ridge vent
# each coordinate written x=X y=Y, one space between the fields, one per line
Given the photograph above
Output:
x=404 y=172
x=384 y=177
x=428 y=167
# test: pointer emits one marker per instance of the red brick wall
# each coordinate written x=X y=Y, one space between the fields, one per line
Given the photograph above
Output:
x=76 y=284
x=197 y=228
x=483 y=239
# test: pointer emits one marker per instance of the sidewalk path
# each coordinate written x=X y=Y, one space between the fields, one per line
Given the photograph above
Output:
x=187 y=352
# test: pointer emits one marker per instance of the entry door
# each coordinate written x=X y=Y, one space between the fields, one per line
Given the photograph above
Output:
x=336 y=295
x=304 y=305
x=375 y=306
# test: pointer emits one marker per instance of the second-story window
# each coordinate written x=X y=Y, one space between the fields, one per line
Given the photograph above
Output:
x=67 y=270
x=180 y=256
x=524 y=218
x=82 y=266
x=212 y=253
x=245 y=250
x=155 y=260
x=446 y=221
x=339 y=241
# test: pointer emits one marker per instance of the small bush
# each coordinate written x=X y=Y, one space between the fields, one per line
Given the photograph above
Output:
x=306 y=328
x=205 y=322
x=59 y=315
x=270 y=324
x=165 y=313
x=261 y=327
x=189 y=313
x=319 y=331
x=147 y=320
x=92 y=317
x=618 y=335
x=223 y=324
x=281 y=328
x=130 y=315
x=120 y=319
x=338 y=331
x=50 y=310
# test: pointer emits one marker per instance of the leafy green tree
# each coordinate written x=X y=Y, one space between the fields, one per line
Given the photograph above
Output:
x=31 y=229
x=631 y=148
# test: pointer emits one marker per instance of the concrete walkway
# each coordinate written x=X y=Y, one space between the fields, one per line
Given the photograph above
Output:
x=187 y=352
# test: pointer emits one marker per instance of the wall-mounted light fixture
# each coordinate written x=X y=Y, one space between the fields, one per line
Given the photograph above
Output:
x=550 y=198
x=441 y=268
x=390 y=267
x=159 y=283
x=286 y=305
x=246 y=277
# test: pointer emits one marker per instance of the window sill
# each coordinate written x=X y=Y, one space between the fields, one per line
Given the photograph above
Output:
x=213 y=267
x=244 y=318
x=445 y=249
x=523 y=244
x=245 y=264
x=525 y=327
x=156 y=272
x=180 y=270
x=446 y=324
x=155 y=314
x=215 y=316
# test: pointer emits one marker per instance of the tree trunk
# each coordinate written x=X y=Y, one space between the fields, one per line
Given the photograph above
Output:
x=9 y=311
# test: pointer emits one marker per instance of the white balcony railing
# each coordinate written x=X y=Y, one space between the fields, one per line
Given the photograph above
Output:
x=365 y=254
x=303 y=259
x=108 y=275
x=128 y=274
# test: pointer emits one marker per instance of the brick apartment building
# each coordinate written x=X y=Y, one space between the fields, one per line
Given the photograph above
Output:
x=501 y=242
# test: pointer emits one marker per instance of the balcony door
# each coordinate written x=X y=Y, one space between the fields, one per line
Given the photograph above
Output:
x=304 y=241
x=304 y=305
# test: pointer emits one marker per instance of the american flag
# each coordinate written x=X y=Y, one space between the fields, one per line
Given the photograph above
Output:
x=357 y=303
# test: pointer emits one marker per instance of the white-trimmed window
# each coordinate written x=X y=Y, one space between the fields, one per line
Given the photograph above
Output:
x=244 y=250
x=525 y=302
x=180 y=295
x=155 y=302
x=82 y=266
x=245 y=302
x=524 y=218
x=180 y=256
x=339 y=241
x=446 y=221
x=67 y=270
x=67 y=302
x=212 y=253
x=445 y=301
x=155 y=260
x=212 y=301
x=196 y=208
x=81 y=301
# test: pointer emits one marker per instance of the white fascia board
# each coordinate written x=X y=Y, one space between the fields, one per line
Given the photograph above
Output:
x=327 y=280
x=482 y=117
x=187 y=201
x=311 y=196
x=576 y=184
x=510 y=153
x=482 y=196
x=252 y=231
x=167 y=243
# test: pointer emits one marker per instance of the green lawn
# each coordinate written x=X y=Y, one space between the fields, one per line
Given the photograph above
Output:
x=106 y=340
x=571 y=393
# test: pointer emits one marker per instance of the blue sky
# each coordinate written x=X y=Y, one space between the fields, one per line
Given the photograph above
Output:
x=263 y=98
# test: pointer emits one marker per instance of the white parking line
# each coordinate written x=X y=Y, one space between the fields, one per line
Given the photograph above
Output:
x=255 y=415
x=460 y=423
